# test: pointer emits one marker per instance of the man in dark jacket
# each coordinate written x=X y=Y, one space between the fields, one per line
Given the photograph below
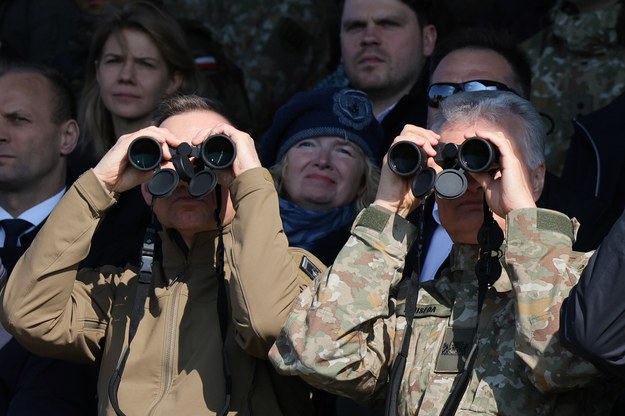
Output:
x=385 y=45
x=591 y=185
x=592 y=322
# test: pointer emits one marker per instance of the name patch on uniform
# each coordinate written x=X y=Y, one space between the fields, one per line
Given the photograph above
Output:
x=457 y=343
x=423 y=311
x=309 y=268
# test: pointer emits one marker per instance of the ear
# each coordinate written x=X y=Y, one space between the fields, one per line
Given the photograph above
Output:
x=428 y=37
x=175 y=82
x=69 y=136
x=538 y=181
x=147 y=196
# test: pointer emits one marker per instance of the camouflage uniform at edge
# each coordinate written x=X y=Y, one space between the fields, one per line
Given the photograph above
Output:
x=344 y=333
x=280 y=47
x=578 y=67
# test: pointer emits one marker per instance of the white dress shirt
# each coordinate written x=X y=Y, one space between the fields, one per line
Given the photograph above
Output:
x=34 y=215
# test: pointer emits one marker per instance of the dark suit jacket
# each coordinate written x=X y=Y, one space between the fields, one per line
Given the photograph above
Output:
x=35 y=385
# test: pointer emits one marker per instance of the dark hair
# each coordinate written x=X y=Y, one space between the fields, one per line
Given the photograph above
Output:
x=167 y=35
x=489 y=39
x=421 y=9
x=63 y=99
x=180 y=104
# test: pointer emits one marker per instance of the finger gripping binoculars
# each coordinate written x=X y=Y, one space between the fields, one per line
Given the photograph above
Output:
x=475 y=154
x=216 y=152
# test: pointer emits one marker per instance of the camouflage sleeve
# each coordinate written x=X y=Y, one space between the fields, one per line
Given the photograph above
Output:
x=339 y=335
x=543 y=269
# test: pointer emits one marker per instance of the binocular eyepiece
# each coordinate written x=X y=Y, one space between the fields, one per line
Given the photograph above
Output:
x=475 y=154
x=216 y=152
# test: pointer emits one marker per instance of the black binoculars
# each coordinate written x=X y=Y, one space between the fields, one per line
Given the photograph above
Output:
x=216 y=152
x=407 y=159
x=474 y=155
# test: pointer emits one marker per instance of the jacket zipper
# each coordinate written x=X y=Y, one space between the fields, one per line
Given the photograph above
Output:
x=170 y=345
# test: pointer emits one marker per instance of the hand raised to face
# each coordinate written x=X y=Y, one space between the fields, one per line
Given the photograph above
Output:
x=394 y=191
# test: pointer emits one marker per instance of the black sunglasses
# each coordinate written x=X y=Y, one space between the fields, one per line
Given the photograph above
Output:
x=441 y=90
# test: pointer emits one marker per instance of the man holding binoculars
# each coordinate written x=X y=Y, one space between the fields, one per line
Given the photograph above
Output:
x=162 y=335
x=483 y=334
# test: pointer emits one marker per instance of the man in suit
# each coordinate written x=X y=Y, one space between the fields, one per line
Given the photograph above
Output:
x=38 y=131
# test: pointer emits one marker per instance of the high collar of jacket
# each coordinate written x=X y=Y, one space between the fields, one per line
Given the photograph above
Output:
x=177 y=257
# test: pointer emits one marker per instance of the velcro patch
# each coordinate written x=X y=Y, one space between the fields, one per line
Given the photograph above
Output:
x=309 y=268
x=457 y=343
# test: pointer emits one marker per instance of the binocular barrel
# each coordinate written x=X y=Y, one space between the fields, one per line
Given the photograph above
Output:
x=145 y=153
x=406 y=158
x=477 y=155
x=217 y=152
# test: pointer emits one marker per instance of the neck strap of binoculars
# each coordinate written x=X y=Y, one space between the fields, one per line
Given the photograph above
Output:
x=487 y=269
x=397 y=371
x=222 y=300
x=149 y=250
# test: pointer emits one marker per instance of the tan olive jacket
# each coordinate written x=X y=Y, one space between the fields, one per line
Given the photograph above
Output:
x=175 y=363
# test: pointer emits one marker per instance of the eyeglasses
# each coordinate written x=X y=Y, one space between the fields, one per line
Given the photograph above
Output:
x=441 y=90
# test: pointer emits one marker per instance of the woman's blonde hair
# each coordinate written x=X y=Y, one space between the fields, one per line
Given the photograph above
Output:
x=94 y=118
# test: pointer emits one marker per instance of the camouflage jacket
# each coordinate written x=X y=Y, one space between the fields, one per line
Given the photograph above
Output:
x=281 y=47
x=578 y=66
x=346 y=330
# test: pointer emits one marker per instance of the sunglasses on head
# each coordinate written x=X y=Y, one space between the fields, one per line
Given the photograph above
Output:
x=441 y=90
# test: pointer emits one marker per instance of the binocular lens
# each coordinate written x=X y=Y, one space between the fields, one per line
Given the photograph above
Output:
x=145 y=153
x=218 y=151
x=477 y=154
x=405 y=158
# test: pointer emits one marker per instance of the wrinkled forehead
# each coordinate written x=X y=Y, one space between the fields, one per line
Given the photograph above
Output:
x=185 y=126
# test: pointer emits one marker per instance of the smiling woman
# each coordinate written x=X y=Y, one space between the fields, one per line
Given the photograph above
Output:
x=321 y=150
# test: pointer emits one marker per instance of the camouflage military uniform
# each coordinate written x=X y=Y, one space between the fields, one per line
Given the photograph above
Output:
x=345 y=332
x=281 y=47
x=578 y=67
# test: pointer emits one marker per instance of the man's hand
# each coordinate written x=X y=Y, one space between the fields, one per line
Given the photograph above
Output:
x=510 y=187
x=115 y=172
x=246 y=156
x=394 y=192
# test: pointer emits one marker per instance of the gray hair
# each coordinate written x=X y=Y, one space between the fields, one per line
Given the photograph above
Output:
x=496 y=107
